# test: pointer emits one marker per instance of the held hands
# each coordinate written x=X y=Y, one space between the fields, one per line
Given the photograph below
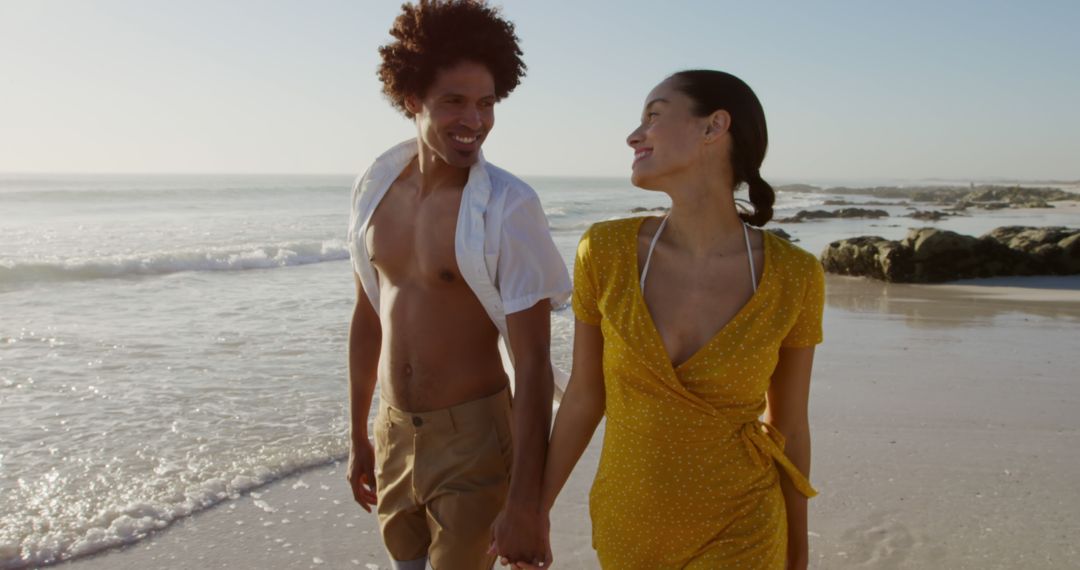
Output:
x=521 y=539
x=361 y=473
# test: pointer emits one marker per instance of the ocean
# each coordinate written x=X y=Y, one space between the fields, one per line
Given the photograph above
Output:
x=170 y=342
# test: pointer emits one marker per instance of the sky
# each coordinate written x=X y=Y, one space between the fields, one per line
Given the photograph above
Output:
x=957 y=90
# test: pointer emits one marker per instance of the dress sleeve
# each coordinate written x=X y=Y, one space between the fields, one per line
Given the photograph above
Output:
x=530 y=268
x=586 y=293
x=807 y=329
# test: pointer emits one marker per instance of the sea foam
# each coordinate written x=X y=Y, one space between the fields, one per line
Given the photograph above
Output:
x=31 y=542
x=227 y=258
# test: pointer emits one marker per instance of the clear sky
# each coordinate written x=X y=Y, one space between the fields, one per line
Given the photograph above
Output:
x=852 y=90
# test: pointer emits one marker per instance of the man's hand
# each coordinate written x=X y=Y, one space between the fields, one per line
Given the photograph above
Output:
x=521 y=538
x=361 y=473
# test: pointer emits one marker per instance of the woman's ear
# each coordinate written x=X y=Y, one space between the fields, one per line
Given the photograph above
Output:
x=718 y=124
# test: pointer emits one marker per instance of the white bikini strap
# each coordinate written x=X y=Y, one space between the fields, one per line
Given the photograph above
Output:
x=648 y=257
x=656 y=238
x=750 y=256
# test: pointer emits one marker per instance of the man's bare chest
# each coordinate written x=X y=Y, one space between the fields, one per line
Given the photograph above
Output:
x=412 y=238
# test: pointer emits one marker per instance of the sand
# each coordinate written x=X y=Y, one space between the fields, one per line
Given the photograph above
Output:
x=944 y=427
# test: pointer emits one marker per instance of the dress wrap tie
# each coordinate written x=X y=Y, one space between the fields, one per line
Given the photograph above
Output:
x=764 y=443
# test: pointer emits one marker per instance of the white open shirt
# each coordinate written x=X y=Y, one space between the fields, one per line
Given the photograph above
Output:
x=503 y=244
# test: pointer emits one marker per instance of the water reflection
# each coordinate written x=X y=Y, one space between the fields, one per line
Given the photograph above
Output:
x=963 y=305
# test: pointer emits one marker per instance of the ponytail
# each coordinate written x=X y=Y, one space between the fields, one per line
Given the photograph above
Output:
x=762 y=197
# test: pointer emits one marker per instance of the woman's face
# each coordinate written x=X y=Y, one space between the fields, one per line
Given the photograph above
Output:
x=669 y=140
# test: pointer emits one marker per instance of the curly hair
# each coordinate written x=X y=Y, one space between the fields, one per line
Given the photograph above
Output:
x=433 y=34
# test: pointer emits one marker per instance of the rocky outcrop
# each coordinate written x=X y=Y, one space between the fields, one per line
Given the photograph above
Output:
x=804 y=215
x=931 y=255
x=929 y=215
x=870 y=203
x=868 y=256
x=958 y=194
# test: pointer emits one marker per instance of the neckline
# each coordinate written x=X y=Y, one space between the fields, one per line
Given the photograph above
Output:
x=766 y=272
x=644 y=273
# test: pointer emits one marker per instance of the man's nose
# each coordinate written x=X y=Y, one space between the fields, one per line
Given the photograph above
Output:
x=471 y=119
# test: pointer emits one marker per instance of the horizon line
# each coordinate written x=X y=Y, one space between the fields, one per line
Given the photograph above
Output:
x=786 y=179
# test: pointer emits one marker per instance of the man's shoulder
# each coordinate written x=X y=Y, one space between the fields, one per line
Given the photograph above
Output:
x=515 y=189
x=389 y=163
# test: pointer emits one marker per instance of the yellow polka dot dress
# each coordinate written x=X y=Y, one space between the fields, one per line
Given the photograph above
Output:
x=688 y=474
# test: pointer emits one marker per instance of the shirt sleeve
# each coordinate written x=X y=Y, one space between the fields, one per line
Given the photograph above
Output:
x=807 y=330
x=530 y=268
x=585 y=300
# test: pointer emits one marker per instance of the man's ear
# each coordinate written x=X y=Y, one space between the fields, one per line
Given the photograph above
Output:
x=719 y=123
x=412 y=104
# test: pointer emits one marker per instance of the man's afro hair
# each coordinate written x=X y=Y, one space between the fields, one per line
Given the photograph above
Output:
x=433 y=34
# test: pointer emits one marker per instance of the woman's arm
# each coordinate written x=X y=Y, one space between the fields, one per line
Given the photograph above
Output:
x=580 y=412
x=788 y=396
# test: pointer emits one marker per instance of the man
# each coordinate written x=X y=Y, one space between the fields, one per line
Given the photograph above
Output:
x=449 y=254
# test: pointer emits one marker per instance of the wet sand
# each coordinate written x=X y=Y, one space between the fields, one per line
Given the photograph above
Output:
x=944 y=425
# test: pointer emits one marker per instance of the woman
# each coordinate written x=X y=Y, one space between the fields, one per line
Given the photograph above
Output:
x=689 y=328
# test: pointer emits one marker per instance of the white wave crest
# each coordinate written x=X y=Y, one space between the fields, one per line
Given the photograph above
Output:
x=231 y=258
x=44 y=543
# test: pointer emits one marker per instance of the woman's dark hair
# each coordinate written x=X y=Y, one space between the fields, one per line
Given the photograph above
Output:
x=433 y=34
x=715 y=90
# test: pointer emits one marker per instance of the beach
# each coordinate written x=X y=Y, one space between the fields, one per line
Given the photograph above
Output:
x=944 y=432
x=172 y=383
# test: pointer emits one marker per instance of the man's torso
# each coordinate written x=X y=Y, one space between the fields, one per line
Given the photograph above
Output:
x=439 y=347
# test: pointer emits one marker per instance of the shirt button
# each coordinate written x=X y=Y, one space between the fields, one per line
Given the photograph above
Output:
x=416 y=421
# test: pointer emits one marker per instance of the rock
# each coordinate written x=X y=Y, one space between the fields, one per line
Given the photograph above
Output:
x=640 y=209
x=931 y=255
x=940 y=255
x=928 y=215
x=846 y=213
x=870 y=256
x=1042 y=246
x=870 y=203
x=959 y=194
x=1039 y=203
x=1070 y=254
x=1026 y=238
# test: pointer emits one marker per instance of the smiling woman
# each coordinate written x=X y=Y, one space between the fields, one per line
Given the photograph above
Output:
x=705 y=374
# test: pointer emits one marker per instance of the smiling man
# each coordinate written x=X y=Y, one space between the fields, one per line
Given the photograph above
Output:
x=451 y=253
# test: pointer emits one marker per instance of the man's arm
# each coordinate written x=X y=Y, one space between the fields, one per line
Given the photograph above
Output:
x=520 y=531
x=365 y=340
x=788 y=396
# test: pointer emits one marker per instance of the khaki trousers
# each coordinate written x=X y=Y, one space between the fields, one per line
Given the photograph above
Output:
x=442 y=478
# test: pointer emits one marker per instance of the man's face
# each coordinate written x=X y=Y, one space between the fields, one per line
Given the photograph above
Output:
x=455 y=115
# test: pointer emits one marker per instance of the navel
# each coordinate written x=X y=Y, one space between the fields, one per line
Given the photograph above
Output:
x=446 y=275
